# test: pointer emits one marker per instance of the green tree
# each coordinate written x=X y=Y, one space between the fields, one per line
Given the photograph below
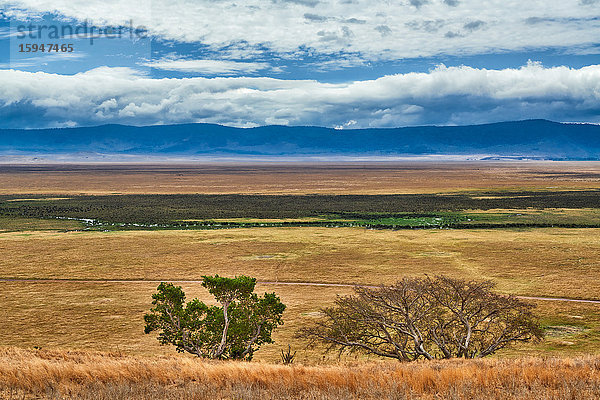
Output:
x=234 y=330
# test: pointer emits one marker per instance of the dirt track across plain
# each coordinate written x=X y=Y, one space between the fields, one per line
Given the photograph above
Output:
x=591 y=301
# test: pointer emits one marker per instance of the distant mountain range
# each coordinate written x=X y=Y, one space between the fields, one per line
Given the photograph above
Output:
x=532 y=139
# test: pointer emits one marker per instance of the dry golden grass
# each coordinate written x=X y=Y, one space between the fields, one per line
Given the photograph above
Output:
x=108 y=316
x=535 y=262
x=59 y=374
x=368 y=178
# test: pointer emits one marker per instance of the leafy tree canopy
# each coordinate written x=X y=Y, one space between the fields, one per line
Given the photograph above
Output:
x=233 y=330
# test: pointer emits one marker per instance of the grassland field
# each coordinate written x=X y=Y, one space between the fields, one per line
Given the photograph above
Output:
x=55 y=374
x=74 y=284
x=106 y=315
x=280 y=178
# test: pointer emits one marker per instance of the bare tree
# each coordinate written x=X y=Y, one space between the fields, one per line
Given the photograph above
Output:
x=428 y=318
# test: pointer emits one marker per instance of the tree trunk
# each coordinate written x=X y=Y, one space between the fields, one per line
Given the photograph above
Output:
x=219 y=352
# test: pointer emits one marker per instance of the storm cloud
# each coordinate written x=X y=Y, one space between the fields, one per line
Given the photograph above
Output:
x=443 y=96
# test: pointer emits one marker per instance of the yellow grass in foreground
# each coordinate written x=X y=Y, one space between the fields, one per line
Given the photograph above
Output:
x=61 y=374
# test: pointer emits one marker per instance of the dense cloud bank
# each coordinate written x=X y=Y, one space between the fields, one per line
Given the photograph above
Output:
x=444 y=96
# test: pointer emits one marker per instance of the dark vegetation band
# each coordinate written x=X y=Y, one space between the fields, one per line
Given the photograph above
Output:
x=162 y=209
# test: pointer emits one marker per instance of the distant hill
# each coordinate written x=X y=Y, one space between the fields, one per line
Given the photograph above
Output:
x=537 y=139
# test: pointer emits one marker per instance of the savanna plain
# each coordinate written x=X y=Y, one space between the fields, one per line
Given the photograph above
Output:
x=83 y=248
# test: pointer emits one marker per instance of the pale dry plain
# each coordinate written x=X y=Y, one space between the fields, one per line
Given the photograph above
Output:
x=274 y=178
x=87 y=313
x=90 y=313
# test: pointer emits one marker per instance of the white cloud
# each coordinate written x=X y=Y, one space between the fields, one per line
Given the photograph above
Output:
x=210 y=67
x=375 y=29
x=25 y=61
x=347 y=125
x=457 y=95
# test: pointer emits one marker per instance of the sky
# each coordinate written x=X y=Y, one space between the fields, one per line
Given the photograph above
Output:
x=340 y=63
